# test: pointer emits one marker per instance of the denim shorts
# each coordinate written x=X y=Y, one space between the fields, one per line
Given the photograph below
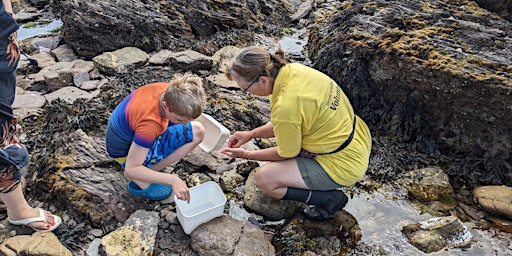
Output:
x=314 y=175
x=165 y=144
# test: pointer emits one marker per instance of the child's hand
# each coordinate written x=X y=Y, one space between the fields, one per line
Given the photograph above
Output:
x=181 y=190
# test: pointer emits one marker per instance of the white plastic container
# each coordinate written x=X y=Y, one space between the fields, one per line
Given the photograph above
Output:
x=216 y=134
x=207 y=202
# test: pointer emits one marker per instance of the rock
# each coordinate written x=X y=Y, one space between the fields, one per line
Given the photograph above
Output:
x=430 y=184
x=39 y=243
x=46 y=44
x=94 y=246
x=90 y=186
x=227 y=236
x=503 y=224
x=435 y=234
x=80 y=78
x=90 y=85
x=39 y=3
x=266 y=205
x=22 y=17
x=303 y=10
x=473 y=212
x=213 y=160
x=150 y=25
x=136 y=237
x=405 y=64
x=120 y=61
x=160 y=58
x=190 y=61
x=495 y=199
x=64 y=53
x=68 y=94
x=29 y=100
x=223 y=57
x=328 y=237
x=44 y=59
x=222 y=81
x=230 y=180
x=61 y=74
x=500 y=7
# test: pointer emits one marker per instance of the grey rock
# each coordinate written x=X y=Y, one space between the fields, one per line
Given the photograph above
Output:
x=266 y=205
x=68 y=94
x=227 y=236
x=121 y=61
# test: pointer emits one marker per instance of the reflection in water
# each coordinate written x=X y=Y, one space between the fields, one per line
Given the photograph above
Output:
x=24 y=33
x=382 y=214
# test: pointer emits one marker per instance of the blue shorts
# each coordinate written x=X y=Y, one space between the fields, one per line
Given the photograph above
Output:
x=171 y=139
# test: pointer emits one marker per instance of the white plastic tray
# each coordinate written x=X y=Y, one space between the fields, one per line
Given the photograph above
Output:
x=206 y=203
x=216 y=134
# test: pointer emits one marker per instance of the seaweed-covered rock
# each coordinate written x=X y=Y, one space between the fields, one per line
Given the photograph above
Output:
x=436 y=76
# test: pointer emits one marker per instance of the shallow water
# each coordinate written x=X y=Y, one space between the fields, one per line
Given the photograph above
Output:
x=24 y=33
x=292 y=45
x=382 y=214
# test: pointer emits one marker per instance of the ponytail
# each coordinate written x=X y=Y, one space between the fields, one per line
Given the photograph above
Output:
x=255 y=61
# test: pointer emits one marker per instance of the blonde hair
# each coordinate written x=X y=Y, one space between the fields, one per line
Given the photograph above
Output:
x=255 y=61
x=185 y=96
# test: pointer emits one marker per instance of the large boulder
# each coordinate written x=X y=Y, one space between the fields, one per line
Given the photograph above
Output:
x=439 y=78
x=94 y=27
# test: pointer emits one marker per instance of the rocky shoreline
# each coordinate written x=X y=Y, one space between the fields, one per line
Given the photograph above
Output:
x=64 y=104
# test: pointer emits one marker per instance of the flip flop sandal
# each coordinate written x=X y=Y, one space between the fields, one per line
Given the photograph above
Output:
x=41 y=218
x=155 y=192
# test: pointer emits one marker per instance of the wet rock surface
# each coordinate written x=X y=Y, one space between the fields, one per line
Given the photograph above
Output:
x=436 y=234
x=71 y=174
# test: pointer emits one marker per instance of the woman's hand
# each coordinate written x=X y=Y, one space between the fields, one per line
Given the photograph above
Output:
x=13 y=49
x=239 y=138
x=235 y=152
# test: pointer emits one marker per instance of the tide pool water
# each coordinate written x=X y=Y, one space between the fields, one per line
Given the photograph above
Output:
x=24 y=33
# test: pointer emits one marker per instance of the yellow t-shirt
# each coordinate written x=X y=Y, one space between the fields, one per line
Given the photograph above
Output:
x=310 y=111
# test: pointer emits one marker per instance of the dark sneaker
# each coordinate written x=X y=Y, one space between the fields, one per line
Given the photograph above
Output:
x=328 y=209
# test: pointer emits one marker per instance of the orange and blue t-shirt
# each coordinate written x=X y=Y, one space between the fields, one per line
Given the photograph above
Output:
x=138 y=118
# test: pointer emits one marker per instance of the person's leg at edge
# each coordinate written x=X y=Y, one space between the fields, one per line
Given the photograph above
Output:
x=173 y=150
x=18 y=209
x=283 y=180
